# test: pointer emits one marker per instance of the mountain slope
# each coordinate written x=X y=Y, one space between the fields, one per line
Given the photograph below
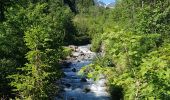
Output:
x=100 y=3
x=111 y=5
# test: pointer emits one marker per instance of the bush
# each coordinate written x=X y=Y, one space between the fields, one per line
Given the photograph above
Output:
x=66 y=52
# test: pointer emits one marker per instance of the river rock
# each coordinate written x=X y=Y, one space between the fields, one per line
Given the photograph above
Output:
x=72 y=98
x=86 y=90
x=82 y=54
x=74 y=70
x=83 y=80
x=66 y=64
x=68 y=85
x=68 y=57
x=77 y=50
x=75 y=54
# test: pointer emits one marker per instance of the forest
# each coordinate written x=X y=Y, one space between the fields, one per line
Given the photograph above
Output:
x=133 y=36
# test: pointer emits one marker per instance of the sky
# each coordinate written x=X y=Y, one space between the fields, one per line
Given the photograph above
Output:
x=107 y=1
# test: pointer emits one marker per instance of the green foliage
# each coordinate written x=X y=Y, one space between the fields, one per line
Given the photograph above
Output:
x=135 y=39
x=84 y=5
x=66 y=52
x=144 y=17
x=12 y=49
x=138 y=65
x=128 y=52
x=96 y=43
x=154 y=72
x=43 y=41
x=36 y=30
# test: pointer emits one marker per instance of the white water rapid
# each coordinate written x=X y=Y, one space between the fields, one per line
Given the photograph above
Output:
x=76 y=87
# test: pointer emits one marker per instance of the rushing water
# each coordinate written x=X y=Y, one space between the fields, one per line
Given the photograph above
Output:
x=77 y=87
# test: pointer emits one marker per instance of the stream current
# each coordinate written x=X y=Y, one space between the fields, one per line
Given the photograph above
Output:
x=77 y=87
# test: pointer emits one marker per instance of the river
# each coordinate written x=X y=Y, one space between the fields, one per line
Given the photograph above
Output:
x=77 y=87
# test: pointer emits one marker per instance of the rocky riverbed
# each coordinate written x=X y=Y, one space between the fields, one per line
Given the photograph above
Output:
x=76 y=87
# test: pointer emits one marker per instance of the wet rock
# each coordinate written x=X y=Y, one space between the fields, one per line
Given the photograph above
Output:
x=75 y=54
x=77 y=50
x=74 y=70
x=66 y=67
x=72 y=98
x=82 y=54
x=66 y=64
x=68 y=85
x=86 y=90
x=83 y=80
x=63 y=74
